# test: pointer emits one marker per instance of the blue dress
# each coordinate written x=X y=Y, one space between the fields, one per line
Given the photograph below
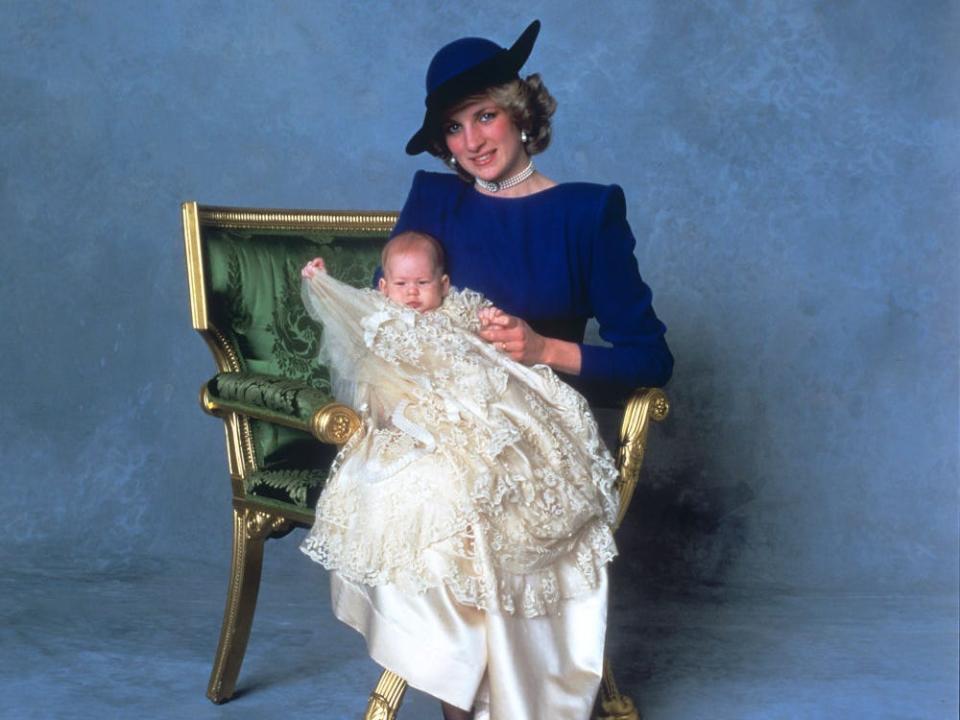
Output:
x=555 y=258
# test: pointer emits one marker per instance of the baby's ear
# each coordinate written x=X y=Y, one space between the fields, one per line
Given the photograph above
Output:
x=445 y=284
x=382 y=284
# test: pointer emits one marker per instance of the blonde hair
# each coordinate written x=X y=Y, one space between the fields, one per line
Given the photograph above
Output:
x=414 y=240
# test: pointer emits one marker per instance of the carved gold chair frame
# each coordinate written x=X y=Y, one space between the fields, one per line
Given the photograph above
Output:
x=255 y=518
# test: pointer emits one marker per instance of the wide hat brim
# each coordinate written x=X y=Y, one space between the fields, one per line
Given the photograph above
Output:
x=498 y=68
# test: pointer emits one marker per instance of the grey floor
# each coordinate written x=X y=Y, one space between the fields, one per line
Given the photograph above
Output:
x=135 y=640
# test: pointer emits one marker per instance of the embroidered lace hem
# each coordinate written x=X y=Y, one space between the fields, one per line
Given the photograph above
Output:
x=530 y=594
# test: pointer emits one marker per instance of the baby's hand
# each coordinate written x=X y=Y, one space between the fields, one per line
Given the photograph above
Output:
x=488 y=315
x=313 y=267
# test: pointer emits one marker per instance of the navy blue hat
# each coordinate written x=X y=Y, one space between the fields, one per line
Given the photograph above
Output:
x=467 y=66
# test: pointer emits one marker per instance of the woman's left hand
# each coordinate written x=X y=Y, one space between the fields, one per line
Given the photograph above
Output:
x=512 y=336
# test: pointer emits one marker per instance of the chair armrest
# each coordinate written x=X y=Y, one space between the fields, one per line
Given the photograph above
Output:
x=279 y=400
x=645 y=404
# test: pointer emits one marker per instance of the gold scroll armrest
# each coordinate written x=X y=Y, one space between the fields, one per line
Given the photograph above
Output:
x=332 y=423
x=644 y=405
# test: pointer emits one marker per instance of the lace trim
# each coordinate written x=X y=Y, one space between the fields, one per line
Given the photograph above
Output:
x=474 y=471
x=450 y=563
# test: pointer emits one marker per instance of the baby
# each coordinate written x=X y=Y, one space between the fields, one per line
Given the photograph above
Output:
x=478 y=486
x=413 y=274
x=412 y=271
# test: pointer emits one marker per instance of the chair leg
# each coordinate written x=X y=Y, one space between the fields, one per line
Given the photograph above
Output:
x=384 y=702
x=613 y=705
x=386 y=697
x=250 y=528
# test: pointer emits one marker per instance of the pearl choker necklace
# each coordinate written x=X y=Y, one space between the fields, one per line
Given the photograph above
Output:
x=508 y=183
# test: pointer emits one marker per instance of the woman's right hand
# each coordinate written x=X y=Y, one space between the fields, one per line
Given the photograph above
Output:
x=313 y=267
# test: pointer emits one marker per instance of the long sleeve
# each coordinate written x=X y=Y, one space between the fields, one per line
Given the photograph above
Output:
x=622 y=303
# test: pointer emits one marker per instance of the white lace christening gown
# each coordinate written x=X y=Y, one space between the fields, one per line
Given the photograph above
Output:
x=472 y=471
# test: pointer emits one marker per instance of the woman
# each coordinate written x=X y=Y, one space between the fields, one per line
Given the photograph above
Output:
x=550 y=256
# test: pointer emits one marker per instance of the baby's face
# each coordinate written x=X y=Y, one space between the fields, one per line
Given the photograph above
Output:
x=410 y=278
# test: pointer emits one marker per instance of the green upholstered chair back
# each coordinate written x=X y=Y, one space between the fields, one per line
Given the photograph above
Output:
x=244 y=269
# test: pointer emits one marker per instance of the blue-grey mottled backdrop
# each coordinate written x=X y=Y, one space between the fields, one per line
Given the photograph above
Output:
x=791 y=170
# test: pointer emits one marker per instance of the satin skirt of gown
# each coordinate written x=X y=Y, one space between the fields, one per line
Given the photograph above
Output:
x=506 y=667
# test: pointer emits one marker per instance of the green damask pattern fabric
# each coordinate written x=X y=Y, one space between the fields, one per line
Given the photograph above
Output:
x=301 y=487
x=254 y=295
x=281 y=395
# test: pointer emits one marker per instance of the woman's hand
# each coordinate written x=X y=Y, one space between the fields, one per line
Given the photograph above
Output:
x=516 y=338
x=512 y=336
x=313 y=267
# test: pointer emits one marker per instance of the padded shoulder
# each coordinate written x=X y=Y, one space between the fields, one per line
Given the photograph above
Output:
x=593 y=197
x=436 y=184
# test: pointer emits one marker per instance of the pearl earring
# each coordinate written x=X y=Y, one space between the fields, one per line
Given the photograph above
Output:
x=453 y=161
x=523 y=136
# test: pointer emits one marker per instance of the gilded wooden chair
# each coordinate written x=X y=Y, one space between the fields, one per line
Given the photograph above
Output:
x=281 y=422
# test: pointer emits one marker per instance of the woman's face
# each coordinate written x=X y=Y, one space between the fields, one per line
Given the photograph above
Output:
x=484 y=141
